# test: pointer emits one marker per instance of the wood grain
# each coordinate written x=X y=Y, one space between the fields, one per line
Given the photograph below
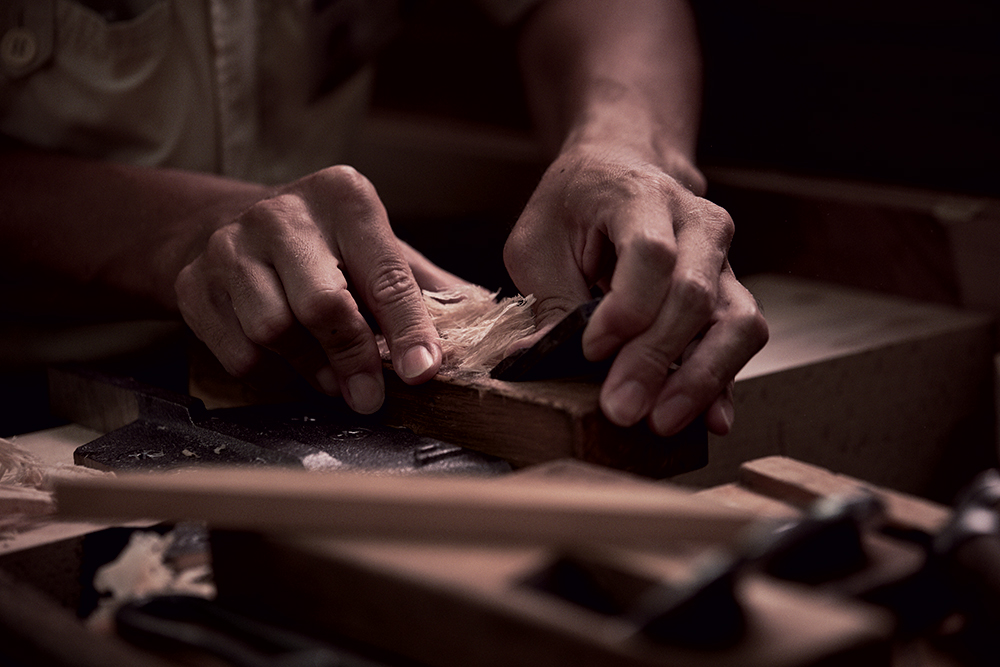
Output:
x=474 y=605
x=448 y=509
x=461 y=606
x=534 y=422
x=885 y=389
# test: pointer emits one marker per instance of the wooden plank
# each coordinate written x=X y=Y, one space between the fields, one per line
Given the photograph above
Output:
x=885 y=389
x=418 y=507
x=522 y=422
x=23 y=500
x=739 y=497
x=533 y=422
x=801 y=484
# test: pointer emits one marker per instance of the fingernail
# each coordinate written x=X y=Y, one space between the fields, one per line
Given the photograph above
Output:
x=668 y=416
x=415 y=362
x=365 y=393
x=327 y=381
x=624 y=405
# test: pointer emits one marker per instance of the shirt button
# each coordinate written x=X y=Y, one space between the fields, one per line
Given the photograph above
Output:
x=18 y=47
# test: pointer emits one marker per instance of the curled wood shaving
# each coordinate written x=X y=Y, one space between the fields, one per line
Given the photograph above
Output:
x=476 y=329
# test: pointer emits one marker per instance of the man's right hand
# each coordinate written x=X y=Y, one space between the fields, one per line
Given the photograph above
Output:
x=289 y=276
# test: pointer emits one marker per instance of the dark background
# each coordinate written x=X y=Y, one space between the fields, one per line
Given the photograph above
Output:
x=894 y=92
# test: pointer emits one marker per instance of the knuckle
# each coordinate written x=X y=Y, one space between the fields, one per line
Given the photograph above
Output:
x=514 y=249
x=747 y=317
x=522 y=246
x=726 y=228
x=651 y=249
x=696 y=292
x=275 y=215
x=222 y=246
x=755 y=326
x=722 y=224
x=713 y=220
x=345 y=183
x=392 y=284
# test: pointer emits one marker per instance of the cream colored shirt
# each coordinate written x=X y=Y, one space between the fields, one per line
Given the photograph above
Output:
x=225 y=86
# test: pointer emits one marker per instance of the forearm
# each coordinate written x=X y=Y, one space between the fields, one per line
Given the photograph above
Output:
x=627 y=70
x=117 y=230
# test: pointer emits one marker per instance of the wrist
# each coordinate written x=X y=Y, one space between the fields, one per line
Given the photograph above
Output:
x=619 y=126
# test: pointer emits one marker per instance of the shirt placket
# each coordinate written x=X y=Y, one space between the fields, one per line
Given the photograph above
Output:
x=234 y=39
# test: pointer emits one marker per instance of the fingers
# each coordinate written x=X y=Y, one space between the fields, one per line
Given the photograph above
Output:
x=703 y=382
x=645 y=362
x=669 y=258
x=377 y=265
x=280 y=279
x=211 y=316
x=639 y=286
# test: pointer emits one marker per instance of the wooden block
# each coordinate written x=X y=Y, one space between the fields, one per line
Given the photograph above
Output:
x=880 y=388
x=740 y=497
x=438 y=508
x=522 y=422
x=800 y=484
x=449 y=606
x=533 y=422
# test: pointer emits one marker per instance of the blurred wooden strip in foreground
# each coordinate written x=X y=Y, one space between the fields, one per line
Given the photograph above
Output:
x=447 y=509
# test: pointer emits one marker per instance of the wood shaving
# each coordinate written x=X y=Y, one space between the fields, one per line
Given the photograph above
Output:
x=19 y=467
x=141 y=571
x=26 y=485
x=476 y=329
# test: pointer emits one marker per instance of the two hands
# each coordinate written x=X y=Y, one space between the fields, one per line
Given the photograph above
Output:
x=289 y=276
